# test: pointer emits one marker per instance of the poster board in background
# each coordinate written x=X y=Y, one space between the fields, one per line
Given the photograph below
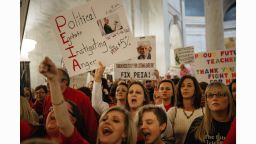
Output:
x=78 y=81
x=142 y=66
x=84 y=38
x=184 y=55
x=230 y=43
x=215 y=66
x=24 y=5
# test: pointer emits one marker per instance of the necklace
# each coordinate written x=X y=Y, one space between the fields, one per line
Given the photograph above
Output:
x=188 y=116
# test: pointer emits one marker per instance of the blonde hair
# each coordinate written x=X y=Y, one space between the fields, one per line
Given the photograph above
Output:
x=27 y=113
x=130 y=129
x=206 y=125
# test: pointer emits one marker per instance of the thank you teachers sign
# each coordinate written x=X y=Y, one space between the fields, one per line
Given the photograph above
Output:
x=216 y=66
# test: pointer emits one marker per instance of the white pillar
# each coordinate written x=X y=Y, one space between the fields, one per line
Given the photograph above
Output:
x=214 y=24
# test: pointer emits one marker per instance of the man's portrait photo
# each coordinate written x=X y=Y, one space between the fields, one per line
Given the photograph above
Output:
x=144 y=49
x=109 y=24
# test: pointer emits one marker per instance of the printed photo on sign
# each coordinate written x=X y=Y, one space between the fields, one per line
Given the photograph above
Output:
x=109 y=24
x=144 y=50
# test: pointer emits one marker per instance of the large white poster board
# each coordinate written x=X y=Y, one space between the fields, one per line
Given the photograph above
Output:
x=142 y=66
x=96 y=31
x=216 y=66
x=184 y=55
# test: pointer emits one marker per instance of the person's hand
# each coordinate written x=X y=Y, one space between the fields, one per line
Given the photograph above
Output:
x=156 y=73
x=99 y=72
x=48 y=69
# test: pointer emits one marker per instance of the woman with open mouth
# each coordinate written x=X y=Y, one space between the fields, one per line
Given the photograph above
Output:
x=116 y=127
x=97 y=102
x=137 y=97
x=219 y=113
x=152 y=122
x=63 y=123
x=187 y=107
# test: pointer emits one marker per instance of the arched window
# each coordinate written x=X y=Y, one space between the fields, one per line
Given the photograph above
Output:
x=194 y=7
x=231 y=13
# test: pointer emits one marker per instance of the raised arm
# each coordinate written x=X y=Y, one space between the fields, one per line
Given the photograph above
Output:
x=97 y=103
x=49 y=70
x=156 y=73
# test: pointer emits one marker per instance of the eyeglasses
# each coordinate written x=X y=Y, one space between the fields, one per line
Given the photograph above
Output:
x=218 y=95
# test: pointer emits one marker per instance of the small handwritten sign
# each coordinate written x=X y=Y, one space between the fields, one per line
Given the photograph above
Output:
x=184 y=55
x=142 y=66
x=96 y=31
x=216 y=66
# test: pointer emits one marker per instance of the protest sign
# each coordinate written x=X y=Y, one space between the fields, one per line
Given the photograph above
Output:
x=78 y=81
x=184 y=55
x=230 y=43
x=216 y=66
x=143 y=65
x=95 y=31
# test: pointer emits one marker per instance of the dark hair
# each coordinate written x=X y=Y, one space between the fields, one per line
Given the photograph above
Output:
x=230 y=88
x=44 y=87
x=173 y=89
x=146 y=97
x=65 y=76
x=86 y=91
x=230 y=85
x=123 y=83
x=176 y=80
x=105 y=97
x=113 y=88
x=22 y=85
x=112 y=91
x=203 y=85
x=92 y=73
x=104 y=83
x=79 y=125
x=197 y=93
x=158 y=112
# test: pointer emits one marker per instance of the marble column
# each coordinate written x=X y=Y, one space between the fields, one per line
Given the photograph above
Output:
x=214 y=24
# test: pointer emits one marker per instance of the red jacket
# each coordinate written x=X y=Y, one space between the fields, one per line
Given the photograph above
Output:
x=83 y=103
x=27 y=130
x=231 y=136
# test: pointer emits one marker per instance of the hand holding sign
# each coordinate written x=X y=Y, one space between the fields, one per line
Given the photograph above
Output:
x=156 y=73
x=99 y=72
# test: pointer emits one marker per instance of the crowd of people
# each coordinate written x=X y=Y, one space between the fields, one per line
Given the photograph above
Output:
x=163 y=111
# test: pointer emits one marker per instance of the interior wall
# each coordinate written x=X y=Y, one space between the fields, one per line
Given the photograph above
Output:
x=151 y=17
